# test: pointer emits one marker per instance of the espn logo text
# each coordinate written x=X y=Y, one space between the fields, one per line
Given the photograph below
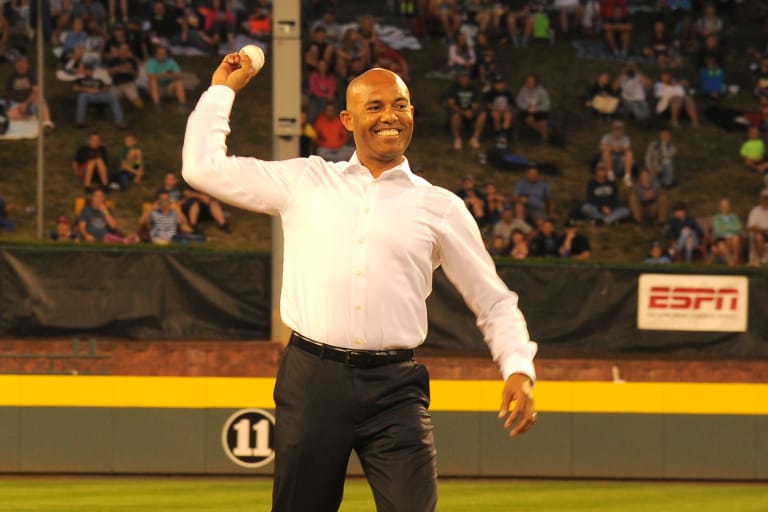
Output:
x=692 y=303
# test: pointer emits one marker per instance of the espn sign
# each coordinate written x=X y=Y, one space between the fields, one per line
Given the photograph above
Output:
x=692 y=303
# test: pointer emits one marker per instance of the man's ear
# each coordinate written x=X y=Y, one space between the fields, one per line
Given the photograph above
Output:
x=346 y=120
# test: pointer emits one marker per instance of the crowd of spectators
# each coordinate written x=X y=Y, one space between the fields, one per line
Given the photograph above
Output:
x=119 y=55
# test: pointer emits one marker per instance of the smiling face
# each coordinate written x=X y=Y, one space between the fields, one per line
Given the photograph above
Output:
x=380 y=116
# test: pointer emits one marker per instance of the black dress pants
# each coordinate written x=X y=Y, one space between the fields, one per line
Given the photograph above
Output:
x=325 y=409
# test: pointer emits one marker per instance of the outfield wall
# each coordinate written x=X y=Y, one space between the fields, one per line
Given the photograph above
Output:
x=100 y=424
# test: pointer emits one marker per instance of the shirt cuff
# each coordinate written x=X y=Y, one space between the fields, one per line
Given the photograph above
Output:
x=219 y=95
x=519 y=365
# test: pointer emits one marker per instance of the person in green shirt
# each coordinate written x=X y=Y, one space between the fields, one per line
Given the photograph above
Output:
x=753 y=151
x=727 y=231
x=165 y=77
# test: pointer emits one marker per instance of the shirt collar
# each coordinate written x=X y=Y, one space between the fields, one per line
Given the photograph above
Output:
x=402 y=169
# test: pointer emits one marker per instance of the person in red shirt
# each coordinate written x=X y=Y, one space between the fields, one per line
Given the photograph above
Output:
x=332 y=137
x=616 y=22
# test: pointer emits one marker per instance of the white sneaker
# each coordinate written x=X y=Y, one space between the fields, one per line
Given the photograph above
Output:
x=627 y=179
x=457 y=143
x=474 y=143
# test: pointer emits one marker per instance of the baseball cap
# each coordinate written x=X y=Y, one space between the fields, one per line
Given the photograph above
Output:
x=62 y=219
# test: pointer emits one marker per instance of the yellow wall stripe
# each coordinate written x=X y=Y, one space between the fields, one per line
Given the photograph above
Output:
x=447 y=395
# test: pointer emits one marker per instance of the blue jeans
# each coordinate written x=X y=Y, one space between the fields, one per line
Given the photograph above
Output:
x=637 y=109
x=593 y=212
x=667 y=174
x=101 y=98
x=687 y=242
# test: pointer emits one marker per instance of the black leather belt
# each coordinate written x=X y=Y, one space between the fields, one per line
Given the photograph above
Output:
x=353 y=358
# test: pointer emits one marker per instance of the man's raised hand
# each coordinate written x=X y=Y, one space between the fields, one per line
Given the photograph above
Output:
x=235 y=71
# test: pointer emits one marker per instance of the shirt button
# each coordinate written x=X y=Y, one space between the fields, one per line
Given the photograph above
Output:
x=357 y=342
x=359 y=273
x=358 y=307
x=361 y=241
x=366 y=210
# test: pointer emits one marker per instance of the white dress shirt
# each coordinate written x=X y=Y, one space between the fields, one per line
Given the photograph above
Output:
x=359 y=252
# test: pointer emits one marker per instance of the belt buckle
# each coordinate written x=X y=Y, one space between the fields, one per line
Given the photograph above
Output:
x=348 y=358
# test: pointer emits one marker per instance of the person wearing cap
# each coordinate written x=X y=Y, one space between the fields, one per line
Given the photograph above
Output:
x=465 y=110
x=656 y=254
x=684 y=231
x=362 y=239
x=500 y=104
x=757 y=225
x=602 y=203
x=572 y=244
x=616 y=153
x=63 y=231
x=660 y=158
x=21 y=92
x=92 y=90
x=633 y=84
x=546 y=243
x=647 y=200
x=532 y=197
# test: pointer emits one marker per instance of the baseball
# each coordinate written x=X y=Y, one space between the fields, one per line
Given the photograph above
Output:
x=256 y=55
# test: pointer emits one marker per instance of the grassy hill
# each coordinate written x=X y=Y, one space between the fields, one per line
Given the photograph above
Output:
x=708 y=163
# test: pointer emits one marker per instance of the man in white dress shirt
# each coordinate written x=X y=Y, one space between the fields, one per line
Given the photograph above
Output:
x=362 y=239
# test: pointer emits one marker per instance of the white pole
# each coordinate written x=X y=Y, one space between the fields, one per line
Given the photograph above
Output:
x=286 y=126
x=40 y=130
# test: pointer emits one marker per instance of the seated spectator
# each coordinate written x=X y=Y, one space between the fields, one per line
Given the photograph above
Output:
x=519 y=243
x=72 y=69
x=384 y=56
x=616 y=22
x=508 y=224
x=164 y=223
x=487 y=69
x=94 y=91
x=572 y=9
x=500 y=105
x=532 y=197
x=661 y=49
x=647 y=200
x=124 y=69
x=632 y=84
x=712 y=84
x=533 y=103
x=709 y=25
x=322 y=89
x=332 y=137
x=711 y=50
x=165 y=79
x=92 y=158
x=660 y=158
x=6 y=224
x=616 y=153
x=63 y=231
x=602 y=98
x=572 y=244
x=351 y=48
x=164 y=26
x=519 y=19
x=332 y=27
x=21 y=92
x=319 y=49
x=761 y=78
x=448 y=14
x=259 y=22
x=673 y=95
x=190 y=31
x=77 y=37
x=468 y=187
x=657 y=254
x=96 y=219
x=498 y=248
x=219 y=25
x=602 y=205
x=753 y=152
x=546 y=243
x=757 y=225
x=461 y=55
x=131 y=161
x=199 y=207
x=727 y=231
x=684 y=232
x=477 y=207
x=465 y=111
x=138 y=39
x=93 y=14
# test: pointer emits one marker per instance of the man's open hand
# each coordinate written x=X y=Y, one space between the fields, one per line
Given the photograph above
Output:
x=519 y=389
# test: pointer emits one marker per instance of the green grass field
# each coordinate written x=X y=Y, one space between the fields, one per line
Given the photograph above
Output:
x=253 y=494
